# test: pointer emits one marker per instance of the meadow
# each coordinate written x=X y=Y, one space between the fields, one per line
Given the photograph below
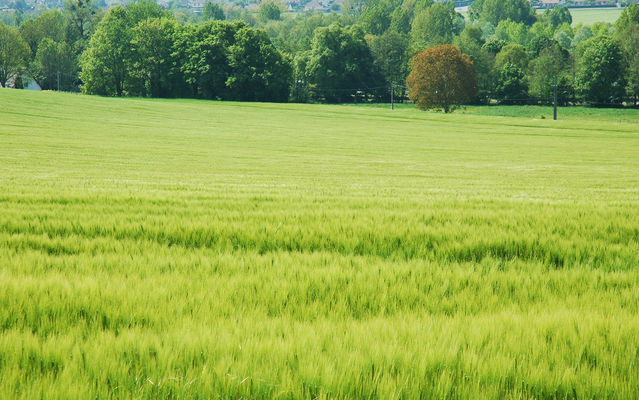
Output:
x=190 y=249
x=589 y=16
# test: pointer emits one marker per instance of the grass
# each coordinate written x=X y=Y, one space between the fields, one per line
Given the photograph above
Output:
x=189 y=249
x=589 y=16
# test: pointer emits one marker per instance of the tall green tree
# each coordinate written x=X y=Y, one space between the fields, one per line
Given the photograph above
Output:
x=270 y=11
x=390 y=52
x=511 y=84
x=154 y=65
x=54 y=66
x=259 y=72
x=551 y=61
x=436 y=25
x=104 y=63
x=375 y=19
x=628 y=18
x=83 y=17
x=212 y=12
x=514 y=54
x=14 y=52
x=557 y=16
x=601 y=78
x=471 y=43
x=204 y=51
x=141 y=10
x=50 y=24
x=495 y=11
x=339 y=60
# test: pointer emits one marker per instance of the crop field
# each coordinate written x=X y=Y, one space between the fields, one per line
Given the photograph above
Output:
x=589 y=16
x=190 y=250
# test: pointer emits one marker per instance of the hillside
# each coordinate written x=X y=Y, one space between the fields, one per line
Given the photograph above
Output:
x=194 y=249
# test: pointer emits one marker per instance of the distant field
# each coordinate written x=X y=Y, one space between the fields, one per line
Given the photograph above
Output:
x=589 y=16
x=192 y=250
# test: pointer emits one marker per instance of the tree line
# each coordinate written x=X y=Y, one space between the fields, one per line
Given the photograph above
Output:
x=142 y=50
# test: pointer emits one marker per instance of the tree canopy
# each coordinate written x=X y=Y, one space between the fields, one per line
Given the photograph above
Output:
x=441 y=78
x=14 y=52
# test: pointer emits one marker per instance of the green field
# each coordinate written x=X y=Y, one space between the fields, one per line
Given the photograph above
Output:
x=186 y=249
x=589 y=16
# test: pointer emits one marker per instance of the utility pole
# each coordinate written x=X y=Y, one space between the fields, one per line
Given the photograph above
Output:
x=58 y=81
x=554 y=115
x=392 y=96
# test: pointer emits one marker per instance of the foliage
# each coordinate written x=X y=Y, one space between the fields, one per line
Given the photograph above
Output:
x=212 y=11
x=513 y=32
x=494 y=45
x=435 y=25
x=205 y=57
x=601 y=76
x=551 y=61
x=54 y=65
x=83 y=17
x=630 y=43
x=154 y=64
x=340 y=63
x=628 y=18
x=104 y=63
x=441 y=78
x=375 y=19
x=270 y=11
x=496 y=11
x=390 y=54
x=557 y=16
x=514 y=54
x=14 y=52
x=50 y=24
x=511 y=84
x=258 y=70
x=470 y=42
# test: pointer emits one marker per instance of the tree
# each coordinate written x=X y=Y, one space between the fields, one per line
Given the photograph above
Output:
x=495 y=11
x=258 y=71
x=270 y=11
x=154 y=67
x=340 y=59
x=557 y=16
x=390 y=52
x=628 y=18
x=104 y=63
x=601 y=77
x=401 y=20
x=50 y=24
x=552 y=61
x=204 y=53
x=470 y=42
x=212 y=12
x=629 y=40
x=436 y=25
x=511 y=84
x=441 y=78
x=144 y=9
x=13 y=54
x=513 y=32
x=375 y=19
x=584 y=33
x=514 y=54
x=82 y=17
x=494 y=46
x=54 y=65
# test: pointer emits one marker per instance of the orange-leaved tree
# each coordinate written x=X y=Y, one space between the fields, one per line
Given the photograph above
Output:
x=441 y=78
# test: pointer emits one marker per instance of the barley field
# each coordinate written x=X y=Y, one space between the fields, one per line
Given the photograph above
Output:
x=187 y=249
